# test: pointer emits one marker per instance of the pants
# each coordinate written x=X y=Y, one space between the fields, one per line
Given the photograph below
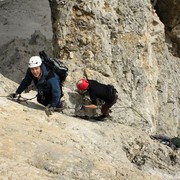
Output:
x=105 y=110
x=45 y=101
x=42 y=100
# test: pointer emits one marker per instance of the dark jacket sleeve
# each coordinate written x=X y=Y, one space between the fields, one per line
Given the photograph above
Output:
x=25 y=82
x=54 y=84
x=93 y=97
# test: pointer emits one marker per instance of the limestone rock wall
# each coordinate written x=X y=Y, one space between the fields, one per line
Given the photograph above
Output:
x=15 y=54
x=123 y=43
x=126 y=46
x=169 y=13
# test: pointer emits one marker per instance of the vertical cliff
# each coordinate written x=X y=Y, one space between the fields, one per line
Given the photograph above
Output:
x=123 y=43
x=126 y=43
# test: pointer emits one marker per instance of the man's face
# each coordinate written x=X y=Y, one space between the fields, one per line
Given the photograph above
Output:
x=36 y=71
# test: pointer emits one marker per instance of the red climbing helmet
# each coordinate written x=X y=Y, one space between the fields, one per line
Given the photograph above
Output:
x=82 y=84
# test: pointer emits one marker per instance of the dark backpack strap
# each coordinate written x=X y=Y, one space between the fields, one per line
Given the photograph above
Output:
x=49 y=75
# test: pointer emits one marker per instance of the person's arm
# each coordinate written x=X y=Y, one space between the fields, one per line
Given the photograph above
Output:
x=93 y=98
x=25 y=82
x=90 y=106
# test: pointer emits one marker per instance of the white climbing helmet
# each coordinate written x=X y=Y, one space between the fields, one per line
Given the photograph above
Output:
x=35 y=61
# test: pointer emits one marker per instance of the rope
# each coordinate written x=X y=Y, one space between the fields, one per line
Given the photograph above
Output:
x=3 y=96
x=130 y=107
x=20 y=97
x=28 y=99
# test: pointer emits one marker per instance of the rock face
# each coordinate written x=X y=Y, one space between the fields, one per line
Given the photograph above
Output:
x=169 y=12
x=16 y=54
x=25 y=30
x=122 y=43
x=116 y=42
x=35 y=146
x=21 y=19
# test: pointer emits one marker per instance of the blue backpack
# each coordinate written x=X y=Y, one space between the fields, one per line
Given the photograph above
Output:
x=176 y=141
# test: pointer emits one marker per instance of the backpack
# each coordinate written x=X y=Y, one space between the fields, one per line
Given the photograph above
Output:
x=55 y=65
x=176 y=142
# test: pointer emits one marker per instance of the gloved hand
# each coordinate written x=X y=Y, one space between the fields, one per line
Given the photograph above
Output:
x=81 y=107
x=49 y=109
x=13 y=95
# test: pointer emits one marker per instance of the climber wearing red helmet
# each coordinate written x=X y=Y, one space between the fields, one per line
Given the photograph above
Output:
x=82 y=84
x=96 y=91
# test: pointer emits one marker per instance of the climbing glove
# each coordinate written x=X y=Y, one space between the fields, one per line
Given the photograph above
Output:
x=81 y=107
x=49 y=109
x=12 y=95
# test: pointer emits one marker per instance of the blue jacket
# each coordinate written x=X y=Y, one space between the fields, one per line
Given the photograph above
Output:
x=51 y=87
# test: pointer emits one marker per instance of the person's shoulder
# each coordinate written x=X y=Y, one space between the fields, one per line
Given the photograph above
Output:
x=29 y=73
x=91 y=81
x=44 y=68
x=99 y=84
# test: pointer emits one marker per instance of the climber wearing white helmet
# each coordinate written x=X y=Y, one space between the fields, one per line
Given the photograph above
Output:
x=47 y=83
x=34 y=65
x=35 y=61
